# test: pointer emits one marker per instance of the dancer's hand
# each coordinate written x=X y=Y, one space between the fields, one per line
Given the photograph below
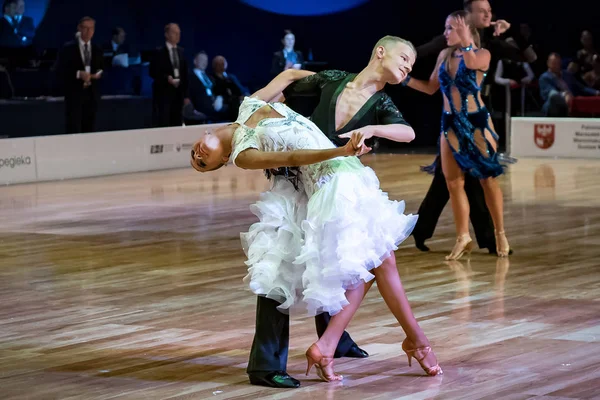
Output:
x=500 y=27
x=462 y=30
x=356 y=145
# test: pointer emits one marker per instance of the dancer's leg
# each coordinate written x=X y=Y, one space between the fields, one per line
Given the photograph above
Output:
x=271 y=339
x=392 y=291
x=495 y=202
x=455 y=179
x=345 y=343
x=337 y=324
x=479 y=214
x=321 y=352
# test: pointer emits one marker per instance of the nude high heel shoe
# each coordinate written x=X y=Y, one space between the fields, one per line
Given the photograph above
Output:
x=420 y=354
x=502 y=246
x=464 y=245
x=324 y=364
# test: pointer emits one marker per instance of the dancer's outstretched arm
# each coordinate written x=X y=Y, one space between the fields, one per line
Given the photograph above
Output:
x=395 y=132
x=391 y=125
x=256 y=159
x=273 y=90
x=433 y=84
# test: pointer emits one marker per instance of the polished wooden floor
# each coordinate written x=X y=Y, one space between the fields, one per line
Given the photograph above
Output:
x=131 y=287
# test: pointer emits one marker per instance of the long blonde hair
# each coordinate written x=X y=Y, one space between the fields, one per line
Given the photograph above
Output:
x=474 y=32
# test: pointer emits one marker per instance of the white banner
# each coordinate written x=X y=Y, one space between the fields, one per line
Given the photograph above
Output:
x=17 y=160
x=106 y=153
x=555 y=137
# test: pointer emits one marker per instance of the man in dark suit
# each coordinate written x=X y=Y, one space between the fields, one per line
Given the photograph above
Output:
x=80 y=65
x=169 y=70
x=116 y=46
x=24 y=25
x=201 y=92
x=9 y=37
x=227 y=86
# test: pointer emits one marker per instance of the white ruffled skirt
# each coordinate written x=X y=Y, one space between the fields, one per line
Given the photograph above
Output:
x=305 y=253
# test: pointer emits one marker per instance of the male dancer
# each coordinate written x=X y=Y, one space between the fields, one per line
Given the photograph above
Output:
x=347 y=102
x=437 y=197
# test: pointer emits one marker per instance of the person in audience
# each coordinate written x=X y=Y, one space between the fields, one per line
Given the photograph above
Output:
x=288 y=57
x=117 y=48
x=80 y=65
x=512 y=75
x=586 y=54
x=201 y=92
x=509 y=73
x=169 y=70
x=24 y=25
x=227 y=86
x=592 y=77
x=8 y=25
x=554 y=91
x=575 y=83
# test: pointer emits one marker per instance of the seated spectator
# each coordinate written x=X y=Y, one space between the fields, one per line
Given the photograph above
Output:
x=586 y=54
x=228 y=87
x=592 y=78
x=554 y=91
x=204 y=101
x=116 y=51
x=574 y=82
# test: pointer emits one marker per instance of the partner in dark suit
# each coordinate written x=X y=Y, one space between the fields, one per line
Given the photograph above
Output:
x=169 y=70
x=80 y=66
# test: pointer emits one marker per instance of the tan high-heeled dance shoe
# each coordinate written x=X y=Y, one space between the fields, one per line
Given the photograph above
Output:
x=464 y=244
x=324 y=364
x=420 y=354
x=502 y=246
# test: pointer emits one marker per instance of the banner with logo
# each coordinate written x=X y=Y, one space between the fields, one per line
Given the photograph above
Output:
x=555 y=137
x=17 y=161
x=107 y=153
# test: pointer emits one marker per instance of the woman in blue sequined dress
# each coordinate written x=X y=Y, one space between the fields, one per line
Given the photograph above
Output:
x=468 y=142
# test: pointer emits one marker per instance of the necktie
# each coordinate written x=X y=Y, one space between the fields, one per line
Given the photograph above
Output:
x=175 y=57
x=86 y=55
x=206 y=80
